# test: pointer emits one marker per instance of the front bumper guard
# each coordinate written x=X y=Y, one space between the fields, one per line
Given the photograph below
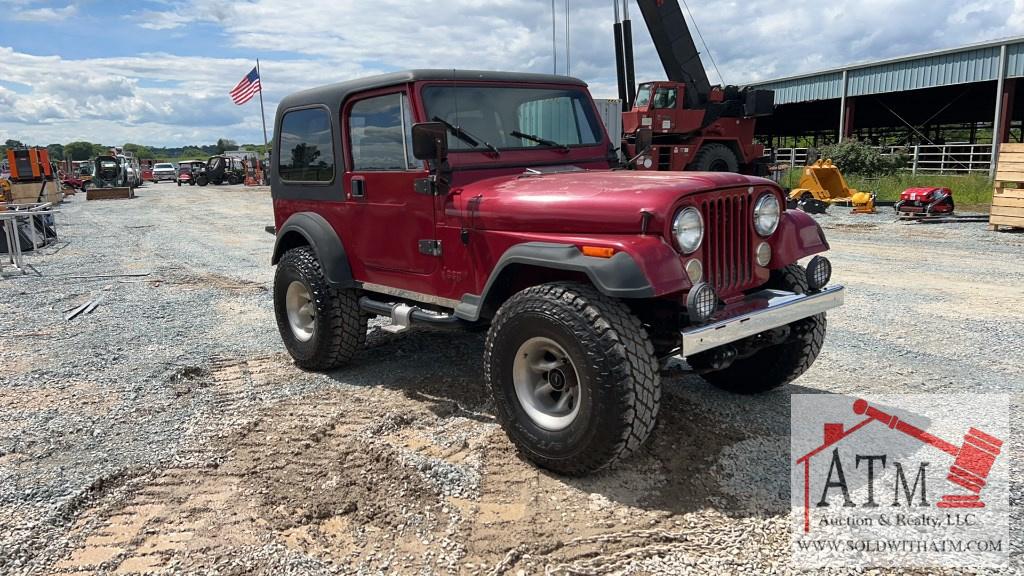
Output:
x=758 y=313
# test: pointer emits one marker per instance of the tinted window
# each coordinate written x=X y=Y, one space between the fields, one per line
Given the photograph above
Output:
x=379 y=132
x=307 y=148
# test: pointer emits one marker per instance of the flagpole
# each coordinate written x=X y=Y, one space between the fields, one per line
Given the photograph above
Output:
x=263 y=117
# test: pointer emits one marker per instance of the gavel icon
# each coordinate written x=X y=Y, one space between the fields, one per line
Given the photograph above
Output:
x=972 y=462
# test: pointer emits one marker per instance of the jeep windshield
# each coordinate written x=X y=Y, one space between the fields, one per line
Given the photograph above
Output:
x=514 y=118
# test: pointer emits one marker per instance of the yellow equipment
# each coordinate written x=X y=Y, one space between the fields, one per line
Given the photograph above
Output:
x=863 y=203
x=822 y=181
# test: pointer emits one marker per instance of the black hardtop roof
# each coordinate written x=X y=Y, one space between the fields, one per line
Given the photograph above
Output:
x=332 y=95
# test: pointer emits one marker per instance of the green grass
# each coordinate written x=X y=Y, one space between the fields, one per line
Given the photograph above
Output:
x=969 y=190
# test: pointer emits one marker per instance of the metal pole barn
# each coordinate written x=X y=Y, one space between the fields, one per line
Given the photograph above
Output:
x=997 y=122
x=842 y=105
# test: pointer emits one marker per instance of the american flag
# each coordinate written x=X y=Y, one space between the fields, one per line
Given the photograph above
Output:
x=247 y=88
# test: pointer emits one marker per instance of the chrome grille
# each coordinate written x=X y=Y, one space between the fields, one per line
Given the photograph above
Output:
x=728 y=224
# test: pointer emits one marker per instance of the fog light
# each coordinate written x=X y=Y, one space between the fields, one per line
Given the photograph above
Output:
x=819 y=272
x=695 y=270
x=701 y=303
x=764 y=254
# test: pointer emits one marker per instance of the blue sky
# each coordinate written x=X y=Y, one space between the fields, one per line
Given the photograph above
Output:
x=158 y=72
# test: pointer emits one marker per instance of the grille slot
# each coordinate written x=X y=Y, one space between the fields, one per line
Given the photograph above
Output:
x=727 y=243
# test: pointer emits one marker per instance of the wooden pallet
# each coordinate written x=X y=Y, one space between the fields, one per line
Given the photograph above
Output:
x=1008 y=196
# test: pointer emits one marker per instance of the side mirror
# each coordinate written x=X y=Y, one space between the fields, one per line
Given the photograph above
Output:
x=644 y=139
x=429 y=141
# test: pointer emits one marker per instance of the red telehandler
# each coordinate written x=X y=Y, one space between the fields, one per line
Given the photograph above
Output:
x=694 y=125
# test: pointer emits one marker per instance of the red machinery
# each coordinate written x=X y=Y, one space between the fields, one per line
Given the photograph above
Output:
x=925 y=202
x=694 y=125
x=972 y=464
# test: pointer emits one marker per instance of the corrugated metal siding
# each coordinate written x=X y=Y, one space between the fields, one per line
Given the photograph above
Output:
x=930 y=72
x=611 y=115
x=1015 y=56
x=824 y=87
x=963 y=67
x=552 y=119
x=555 y=120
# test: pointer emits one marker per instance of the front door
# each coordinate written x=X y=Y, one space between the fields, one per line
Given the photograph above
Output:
x=393 y=225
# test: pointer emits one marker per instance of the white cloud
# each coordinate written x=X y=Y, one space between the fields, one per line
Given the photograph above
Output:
x=22 y=13
x=169 y=99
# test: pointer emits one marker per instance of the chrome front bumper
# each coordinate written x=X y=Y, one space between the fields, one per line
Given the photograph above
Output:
x=758 y=313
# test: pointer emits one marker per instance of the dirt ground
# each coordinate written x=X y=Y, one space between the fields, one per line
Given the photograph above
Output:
x=194 y=445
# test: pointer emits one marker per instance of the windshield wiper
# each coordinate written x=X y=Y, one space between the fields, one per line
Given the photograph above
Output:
x=460 y=133
x=540 y=140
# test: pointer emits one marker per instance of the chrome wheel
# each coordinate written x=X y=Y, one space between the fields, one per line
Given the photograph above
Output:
x=301 y=311
x=546 y=383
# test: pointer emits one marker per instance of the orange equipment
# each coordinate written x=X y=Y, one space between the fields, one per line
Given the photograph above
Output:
x=29 y=164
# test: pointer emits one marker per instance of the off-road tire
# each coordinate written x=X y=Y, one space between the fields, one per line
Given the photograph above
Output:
x=776 y=365
x=614 y=360
x=715 y=158
x=340 y=325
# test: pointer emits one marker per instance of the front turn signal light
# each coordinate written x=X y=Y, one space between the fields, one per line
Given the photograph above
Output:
x=598 y=252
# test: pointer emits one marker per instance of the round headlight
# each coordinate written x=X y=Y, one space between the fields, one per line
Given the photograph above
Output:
x=766 y=214
x=688 y=230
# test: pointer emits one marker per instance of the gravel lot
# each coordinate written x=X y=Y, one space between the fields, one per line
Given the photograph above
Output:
x=169 y=432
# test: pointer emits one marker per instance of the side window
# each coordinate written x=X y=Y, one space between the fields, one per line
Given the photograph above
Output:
x=666 y=98
x=307 y=148
x=379 y=131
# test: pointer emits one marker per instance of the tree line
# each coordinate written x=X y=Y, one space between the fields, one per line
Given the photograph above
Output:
x=82 y=150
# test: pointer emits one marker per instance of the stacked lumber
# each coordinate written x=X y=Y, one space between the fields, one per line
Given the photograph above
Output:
x=1008 y=196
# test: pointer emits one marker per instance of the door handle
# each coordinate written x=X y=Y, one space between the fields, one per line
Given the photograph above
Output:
x=358 y=188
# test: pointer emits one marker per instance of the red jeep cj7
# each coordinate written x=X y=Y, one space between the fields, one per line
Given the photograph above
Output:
x=474 y=199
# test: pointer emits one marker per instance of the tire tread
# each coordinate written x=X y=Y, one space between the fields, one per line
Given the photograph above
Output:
x=778 y=365
x=345 y=332
x=619 y=335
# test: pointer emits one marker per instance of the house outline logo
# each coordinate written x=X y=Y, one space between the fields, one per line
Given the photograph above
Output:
x=973 y=461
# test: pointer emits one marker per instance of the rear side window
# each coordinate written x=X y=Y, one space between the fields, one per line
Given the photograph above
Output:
x=307 y=146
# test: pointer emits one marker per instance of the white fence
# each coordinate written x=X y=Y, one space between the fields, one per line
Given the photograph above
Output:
x=924 y=159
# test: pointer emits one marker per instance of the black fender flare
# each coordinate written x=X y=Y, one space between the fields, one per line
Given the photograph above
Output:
x=318 y=233
x=618 y=277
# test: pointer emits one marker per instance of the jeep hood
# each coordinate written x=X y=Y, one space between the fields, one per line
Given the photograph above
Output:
x=599 y=202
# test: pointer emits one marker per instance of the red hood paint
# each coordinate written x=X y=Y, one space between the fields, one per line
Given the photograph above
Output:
x=594 y=201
